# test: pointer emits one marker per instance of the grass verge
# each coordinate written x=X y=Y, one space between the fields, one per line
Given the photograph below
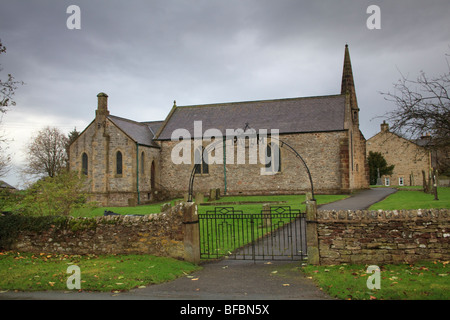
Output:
x=295 y=201
x=110 y=273
x=407 y=200
x=420 y=281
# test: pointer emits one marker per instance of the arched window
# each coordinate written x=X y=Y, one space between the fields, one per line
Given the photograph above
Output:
x=204 y=167
x=119 y=164
x=152 y=175
x=273 y=165
x=84 y=164
x=142 y=163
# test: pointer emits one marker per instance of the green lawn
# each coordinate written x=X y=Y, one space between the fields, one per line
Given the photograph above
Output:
x=141 y=209
x=295 y=201
x=414 y=200
x=419 y=281
x=37 y=272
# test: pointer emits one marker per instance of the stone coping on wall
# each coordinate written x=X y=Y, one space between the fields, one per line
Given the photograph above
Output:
x=370 y=215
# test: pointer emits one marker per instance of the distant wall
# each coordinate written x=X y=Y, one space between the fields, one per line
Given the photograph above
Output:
x=383 y=236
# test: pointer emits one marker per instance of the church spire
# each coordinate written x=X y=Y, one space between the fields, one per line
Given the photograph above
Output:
x=348 y=84
x=347 y=74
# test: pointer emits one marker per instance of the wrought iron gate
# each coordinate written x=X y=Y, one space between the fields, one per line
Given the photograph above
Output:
x=275 y=234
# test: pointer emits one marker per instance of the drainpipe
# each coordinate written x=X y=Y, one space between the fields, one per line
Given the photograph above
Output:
x=224 y=167
x=137 y=174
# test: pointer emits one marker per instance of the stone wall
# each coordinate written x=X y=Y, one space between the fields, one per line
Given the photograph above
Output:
x=162 y=234
x=382 y=237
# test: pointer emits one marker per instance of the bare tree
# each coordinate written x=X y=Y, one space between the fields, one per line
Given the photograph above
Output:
x=47 y=153
x=423 y=109
x=7 y=90
x=5 y=159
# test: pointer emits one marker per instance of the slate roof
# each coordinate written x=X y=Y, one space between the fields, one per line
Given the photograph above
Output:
x=293 y=115
x=141 y=132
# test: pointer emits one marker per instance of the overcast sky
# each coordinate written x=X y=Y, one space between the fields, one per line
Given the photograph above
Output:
x=146 y=54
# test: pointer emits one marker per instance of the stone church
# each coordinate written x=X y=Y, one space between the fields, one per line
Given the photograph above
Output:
x=129 y=162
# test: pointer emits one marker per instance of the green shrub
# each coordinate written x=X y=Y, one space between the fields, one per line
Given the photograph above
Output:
x=53 y=196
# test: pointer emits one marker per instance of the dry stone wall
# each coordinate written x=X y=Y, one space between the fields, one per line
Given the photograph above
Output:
x=381 y=237
x=161 y=234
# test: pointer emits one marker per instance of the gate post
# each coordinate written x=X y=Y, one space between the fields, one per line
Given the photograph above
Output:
x=312 y=240
x=191 y=233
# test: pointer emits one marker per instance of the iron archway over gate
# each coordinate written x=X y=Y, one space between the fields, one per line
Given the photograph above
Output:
x=275 y=233
x=282 y=144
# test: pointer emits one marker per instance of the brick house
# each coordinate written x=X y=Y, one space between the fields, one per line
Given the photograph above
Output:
x=409 y=157
x=126 y=159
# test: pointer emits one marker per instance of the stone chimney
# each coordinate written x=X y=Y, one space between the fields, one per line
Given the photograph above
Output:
x=384 y=127
x=102 y=109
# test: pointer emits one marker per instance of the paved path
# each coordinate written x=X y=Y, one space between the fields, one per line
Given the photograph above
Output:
x=220 y=280
x=360 y=201
x=228 y=279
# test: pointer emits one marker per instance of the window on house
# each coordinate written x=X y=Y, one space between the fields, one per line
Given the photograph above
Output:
x=84 y=164
x=387 y=182
x=400 y=181
x=119 y=164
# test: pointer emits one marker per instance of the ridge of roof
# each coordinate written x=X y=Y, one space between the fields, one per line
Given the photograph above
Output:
x=260 y=101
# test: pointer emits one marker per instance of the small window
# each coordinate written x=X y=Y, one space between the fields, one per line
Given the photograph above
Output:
x=119 y=164
x=84 y=164
x=387 y=182
x=400 y=181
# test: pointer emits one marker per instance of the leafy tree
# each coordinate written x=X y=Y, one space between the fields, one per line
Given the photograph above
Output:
x=377 y=162
x=56 y=195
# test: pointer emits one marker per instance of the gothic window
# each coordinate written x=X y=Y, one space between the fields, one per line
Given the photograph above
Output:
x=84 y=164
x=203 y=168
x=152 y=175
x=119 y=163
x=268 y=164
x=272 y=166
x=142 y=163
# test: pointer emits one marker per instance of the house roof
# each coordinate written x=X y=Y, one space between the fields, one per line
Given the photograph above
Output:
x=141 y=132
x=293 y=115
